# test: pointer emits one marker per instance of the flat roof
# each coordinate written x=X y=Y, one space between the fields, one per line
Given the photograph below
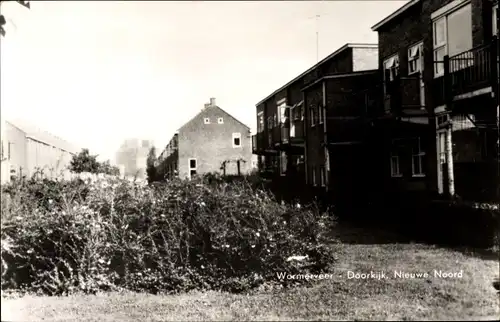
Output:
x=340 y=75
x=395 y=14
x=335 y=53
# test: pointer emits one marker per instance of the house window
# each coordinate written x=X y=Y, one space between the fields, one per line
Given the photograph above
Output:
x=192 y=167
x=313 y=116
x=391 y=68
x=395 y=172
x=452 y=35
x=269 y=122
x=260 y=122
x=236 y=140
x=206 y=120
x=417 y=163
x=395 y=159
x=282 y=111
x=415 y=59
x=220 y=120
x=313 y=173
x=320 y=113
x=494 y=20
x=283 y=163
x=322 y=175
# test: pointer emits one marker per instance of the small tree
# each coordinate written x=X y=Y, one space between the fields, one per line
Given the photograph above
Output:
x=84 y=162
x=106 y=168
x=151 y=165
x=3 y=21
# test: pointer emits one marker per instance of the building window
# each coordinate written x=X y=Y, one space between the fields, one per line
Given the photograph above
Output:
x=206 y=120
x=313 y=173
x=415 y=59
x=395 y=165
x=192 y=167
x=236 y=140
x=269 y=122
x=282 y=111
x=260 y=122
x=313 y=116
x=283 y=163
x=417 y=161
x=321 y=115
x=220 y=120
x=391 y=68
x=452 y=35
x=494 y=20
x=395 y=160
x=322 y=175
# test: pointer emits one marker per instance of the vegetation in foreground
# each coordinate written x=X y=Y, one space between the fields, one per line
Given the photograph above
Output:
x=63 y=237
x=468 y=298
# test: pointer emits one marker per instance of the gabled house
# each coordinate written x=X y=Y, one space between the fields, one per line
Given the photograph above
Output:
x=212 y=141
x=439 y=81
x=280 y=142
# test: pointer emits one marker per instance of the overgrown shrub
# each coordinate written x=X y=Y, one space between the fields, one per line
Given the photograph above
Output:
x=60 y=237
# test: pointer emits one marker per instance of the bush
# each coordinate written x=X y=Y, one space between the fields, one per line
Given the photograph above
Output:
x=60 y=237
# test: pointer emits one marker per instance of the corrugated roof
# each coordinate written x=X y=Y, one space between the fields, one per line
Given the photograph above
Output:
x=37 y=134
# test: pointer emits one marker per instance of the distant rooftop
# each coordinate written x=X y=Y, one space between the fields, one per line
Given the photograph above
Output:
x=330 y=56
x=37 y=134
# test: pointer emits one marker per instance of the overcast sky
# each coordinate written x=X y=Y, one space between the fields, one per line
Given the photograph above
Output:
x=96 y=73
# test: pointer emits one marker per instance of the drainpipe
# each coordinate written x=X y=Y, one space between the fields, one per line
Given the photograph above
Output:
x=449 y=129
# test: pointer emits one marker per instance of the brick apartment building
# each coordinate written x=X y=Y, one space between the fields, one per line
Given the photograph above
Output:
x=212 y=141
x=280 y=143
x=420 y=120
x=439 y=79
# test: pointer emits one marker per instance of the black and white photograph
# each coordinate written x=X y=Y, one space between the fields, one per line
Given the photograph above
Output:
x=330 y=160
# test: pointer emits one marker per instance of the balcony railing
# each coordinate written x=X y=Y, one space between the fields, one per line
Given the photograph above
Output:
x=362 y=103
x=404 y=94
x=465 y=72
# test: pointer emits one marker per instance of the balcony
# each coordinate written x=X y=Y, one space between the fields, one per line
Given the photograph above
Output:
x=404 y=95
x=258 y=143
x=362 y=104
x=465 y=73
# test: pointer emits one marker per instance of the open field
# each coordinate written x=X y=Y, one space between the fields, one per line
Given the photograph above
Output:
x=339 y=298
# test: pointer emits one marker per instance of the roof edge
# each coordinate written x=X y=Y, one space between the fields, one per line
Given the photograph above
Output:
x=395 y=14
x=340 y=75
x=330 y=56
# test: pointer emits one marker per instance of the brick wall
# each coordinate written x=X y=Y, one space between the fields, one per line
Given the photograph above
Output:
x=212 y=144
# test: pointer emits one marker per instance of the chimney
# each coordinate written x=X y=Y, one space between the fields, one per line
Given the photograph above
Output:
x=212 y=101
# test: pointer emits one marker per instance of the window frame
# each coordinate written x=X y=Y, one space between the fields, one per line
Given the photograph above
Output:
x=420 y=154
x=395 y=154
x=236 y=135
x=444 y=45
x=320 y=114
x=322 y=173
x=494 y=20
x=417 y=59
x=394 y=69
x=313 y=174
x=312 y=116
x=195 y=168
x=260 y=122
x=220 y=120
x=206 y=120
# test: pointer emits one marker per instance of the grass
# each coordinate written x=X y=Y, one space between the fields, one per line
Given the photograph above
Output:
x=470 y=297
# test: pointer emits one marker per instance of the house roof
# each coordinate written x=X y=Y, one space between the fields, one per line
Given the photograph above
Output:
x=395 y=14
x=33 y=132
x=335 y=53
x=213 y=107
